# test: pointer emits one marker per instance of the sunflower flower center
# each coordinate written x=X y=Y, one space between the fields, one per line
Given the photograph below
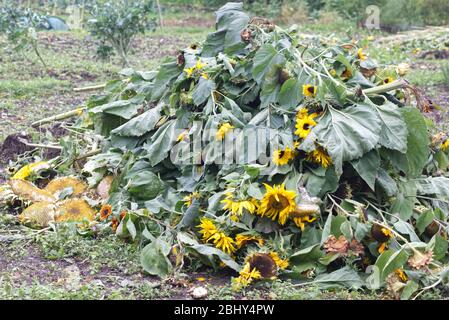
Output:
x=278 y=202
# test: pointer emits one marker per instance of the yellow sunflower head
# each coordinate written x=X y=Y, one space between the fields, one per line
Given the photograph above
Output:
x=223 y=130
x=320 y=156
x=282 y=157
x=361 y=55
x=114 y=224
x=189 y=199
x=56 y=186
x=74 y=210
x=223 y=242
x=281 y=263
x=264 y=263
x=242 y=239
x=189 y=71
x=309 y=90
x=304 y=124
x=236 y=207
x=401 y=275
x=26 y=190
x=207 y=228
x=277 y=203
x=199 y=65
x=38 y=215
x=105 y=211
x=445 y=145
x=29 y=169
x=246 y=276
x=388 y=80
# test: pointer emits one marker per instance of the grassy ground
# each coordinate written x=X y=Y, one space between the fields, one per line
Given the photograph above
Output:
x=63 y=265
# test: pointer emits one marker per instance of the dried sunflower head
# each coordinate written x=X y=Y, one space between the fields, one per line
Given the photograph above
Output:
x=74 y=210
x=38 y=215
x=28 y=191
x=334 y=245
x=58 y=185
x=420 y=260
x=264 y=263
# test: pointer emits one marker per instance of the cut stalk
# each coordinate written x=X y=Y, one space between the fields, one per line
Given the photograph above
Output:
x=90 y=88
x=386 y=87
x=58 y=117
x=37 y=145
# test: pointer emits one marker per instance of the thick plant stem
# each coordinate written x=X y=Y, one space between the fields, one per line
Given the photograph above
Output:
x=58 y=117
x=90 y=88
x=385 y=87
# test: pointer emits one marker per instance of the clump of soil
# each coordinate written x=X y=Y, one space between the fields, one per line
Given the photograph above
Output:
x=435 y=54
x=13 y=146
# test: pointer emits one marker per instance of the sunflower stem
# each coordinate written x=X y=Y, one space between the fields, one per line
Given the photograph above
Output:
x=385 y=87
x=58 y=117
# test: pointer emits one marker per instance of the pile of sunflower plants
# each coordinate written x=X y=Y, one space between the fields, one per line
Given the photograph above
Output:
x=261 y=153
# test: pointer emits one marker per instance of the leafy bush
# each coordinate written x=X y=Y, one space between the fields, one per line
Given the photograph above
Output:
x=20 y=26
x=116 y=23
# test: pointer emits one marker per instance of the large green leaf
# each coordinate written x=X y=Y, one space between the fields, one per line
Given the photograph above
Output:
x=413 y=162
x=435 y=186
x=154 y=258
x=344 y=277
x=367 y=167
x=139 y=125
x=166 y=74
x=266 y=60
x=161 y=143
x=203 y=91
x=122 y=108
x=394 y=130
x=231 y=20
x=346 y=134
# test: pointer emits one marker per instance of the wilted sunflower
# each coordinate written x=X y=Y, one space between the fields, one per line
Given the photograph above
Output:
x=210 y=232
x=361 y=55
x=401 y=274
x=237 y=206
x=264 y=263
x=27 y=170
x=56 y=186
x=282 y=157
x=223 y=242
x=277 y=203
x=281 y=263
x=246 y=277
x=381 y=235
x=445 y=145
x=38 y=215
x=207 y=227
x=114 y=224
x=242 y=239
x=74 y=210
x=388 y=80
x=189 y=199
x=320 y=156
x=105 y=211
x=300 y=221
x=309 y=90
x=304 y=123
x=223 y=130
x=26 y=190
x=189 y=71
